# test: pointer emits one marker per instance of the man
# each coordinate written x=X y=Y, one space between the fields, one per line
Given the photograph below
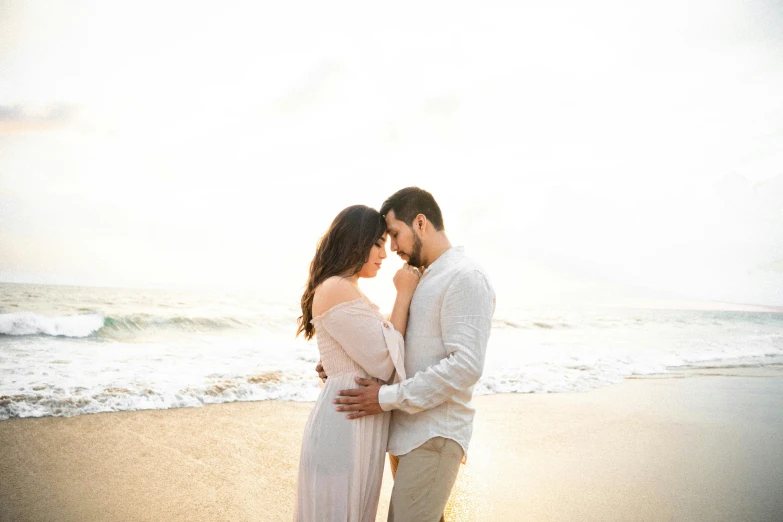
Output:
x=445 y=344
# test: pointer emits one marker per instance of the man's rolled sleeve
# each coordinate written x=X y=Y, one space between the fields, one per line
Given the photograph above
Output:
x=388 y=397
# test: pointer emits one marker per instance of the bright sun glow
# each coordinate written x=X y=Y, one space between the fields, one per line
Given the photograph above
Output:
x=578 y=151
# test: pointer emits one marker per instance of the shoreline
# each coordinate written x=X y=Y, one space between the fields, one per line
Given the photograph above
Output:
x=772 y=368
x=703 y=445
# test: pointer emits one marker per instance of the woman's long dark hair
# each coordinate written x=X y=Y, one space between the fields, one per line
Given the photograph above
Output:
x=343 y=250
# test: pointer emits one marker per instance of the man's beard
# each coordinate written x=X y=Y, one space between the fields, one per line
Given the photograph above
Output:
x=414 y=258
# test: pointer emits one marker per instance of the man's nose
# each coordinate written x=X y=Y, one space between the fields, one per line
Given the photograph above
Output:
x=393 y=245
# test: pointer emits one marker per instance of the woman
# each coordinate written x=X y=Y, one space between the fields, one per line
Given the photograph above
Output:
x=341 y=463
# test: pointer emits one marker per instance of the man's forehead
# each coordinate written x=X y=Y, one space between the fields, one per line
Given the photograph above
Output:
x=391 y=219
x=392 y=224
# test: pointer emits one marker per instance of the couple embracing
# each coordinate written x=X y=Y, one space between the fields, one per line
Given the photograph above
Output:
x=402 y=383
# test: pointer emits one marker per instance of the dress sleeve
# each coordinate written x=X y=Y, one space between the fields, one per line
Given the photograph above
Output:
x=368 y=339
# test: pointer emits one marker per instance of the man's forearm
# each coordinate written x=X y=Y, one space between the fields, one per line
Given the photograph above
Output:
x=433 y=386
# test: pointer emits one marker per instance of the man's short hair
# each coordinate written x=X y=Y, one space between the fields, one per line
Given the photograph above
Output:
x=410 y=202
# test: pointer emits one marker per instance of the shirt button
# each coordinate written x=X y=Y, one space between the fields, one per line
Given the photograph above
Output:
x=386 y=325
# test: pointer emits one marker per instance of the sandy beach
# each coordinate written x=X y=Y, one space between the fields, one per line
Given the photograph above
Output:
x=696 y=446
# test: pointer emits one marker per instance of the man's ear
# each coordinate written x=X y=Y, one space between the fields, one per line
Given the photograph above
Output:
x=420 y=223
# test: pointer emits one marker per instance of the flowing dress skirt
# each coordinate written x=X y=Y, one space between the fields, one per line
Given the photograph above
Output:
x=341 y=464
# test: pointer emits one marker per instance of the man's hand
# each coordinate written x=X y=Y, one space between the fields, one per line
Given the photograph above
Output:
x=362 y=401
x=321 y=373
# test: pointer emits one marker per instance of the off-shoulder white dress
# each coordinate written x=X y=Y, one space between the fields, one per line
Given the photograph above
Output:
x=341 y=463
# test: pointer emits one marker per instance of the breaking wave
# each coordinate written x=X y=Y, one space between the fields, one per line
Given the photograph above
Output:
x=86 y=325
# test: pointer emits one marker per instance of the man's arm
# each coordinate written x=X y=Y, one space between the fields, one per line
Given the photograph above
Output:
x=466 y=319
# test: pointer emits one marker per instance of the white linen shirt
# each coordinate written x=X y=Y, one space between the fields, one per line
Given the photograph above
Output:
x=445 y=344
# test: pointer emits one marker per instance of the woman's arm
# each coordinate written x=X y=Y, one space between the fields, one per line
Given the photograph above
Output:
x=399 y=315
x=406 y=279
x=364 y=336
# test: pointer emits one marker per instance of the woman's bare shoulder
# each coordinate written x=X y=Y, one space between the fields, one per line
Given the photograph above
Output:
x=332 y=292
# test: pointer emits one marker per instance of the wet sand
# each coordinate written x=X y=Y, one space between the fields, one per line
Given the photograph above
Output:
x=704 y=445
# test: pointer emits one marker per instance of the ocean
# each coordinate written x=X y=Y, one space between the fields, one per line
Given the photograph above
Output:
x=67 y=350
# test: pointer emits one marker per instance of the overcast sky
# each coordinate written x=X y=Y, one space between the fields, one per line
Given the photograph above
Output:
x=577 y=149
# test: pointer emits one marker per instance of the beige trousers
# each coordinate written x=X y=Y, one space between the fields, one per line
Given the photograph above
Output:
x=423 y=480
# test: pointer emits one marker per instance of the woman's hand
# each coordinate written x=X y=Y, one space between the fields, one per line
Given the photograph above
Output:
x=406 y=279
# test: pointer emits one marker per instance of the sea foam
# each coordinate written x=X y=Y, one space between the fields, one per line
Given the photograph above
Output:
x=69 y=351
